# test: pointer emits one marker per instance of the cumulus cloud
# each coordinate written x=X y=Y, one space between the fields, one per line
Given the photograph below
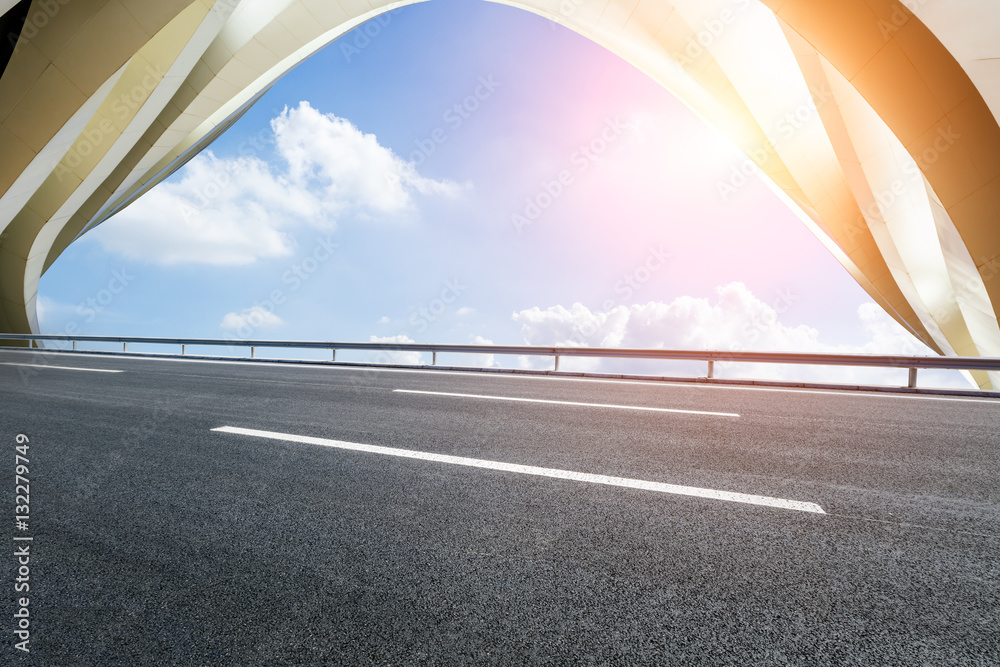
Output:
x=350 y=167
x=736 y=317
x=480 y=360
x=734 y=320
x=223 y=212
x=236 y=211
x=52 y=314
x=249 y=319
x=394 y=356
x=46 y=307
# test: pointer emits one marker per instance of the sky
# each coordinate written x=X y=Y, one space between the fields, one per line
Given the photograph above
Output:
x=463 y=172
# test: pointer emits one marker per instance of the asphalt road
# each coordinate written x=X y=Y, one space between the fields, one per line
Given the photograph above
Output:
x=158 y=541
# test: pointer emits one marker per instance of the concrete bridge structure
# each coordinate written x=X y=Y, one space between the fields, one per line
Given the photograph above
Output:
x=875 y=120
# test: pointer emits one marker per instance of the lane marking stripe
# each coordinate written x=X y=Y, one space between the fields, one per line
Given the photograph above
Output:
x=646 y=383
x=660 y=487
x=63 y=368
x=588 y=405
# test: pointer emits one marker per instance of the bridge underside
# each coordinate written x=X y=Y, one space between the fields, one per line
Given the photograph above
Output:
x=876 y=124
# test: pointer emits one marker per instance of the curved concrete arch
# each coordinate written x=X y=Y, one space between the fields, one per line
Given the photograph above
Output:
x=883 y=140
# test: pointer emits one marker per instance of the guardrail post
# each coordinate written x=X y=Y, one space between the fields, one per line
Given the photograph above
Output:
x=74 y=345
x=912 y=381
x=557 y=363
x=253 y=351
x=124 y=346
x=184 y=349
x=434 y=357
x=711 y=369
x=334 y=355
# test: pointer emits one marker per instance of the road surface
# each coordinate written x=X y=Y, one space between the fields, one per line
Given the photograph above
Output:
x=373 y=516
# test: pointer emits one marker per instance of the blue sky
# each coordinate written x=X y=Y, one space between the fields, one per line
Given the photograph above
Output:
x=483 y=174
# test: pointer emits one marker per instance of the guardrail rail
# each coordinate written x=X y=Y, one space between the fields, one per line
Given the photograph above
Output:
x=913 y=363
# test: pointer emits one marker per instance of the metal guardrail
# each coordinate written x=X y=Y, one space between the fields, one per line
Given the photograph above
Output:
x=711 y=357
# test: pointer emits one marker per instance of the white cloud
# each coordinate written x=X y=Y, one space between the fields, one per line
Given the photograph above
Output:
x=50 y=312
x=465 y=310
x=394 y=356
x=734 y=320
x=251 y=318
x=350 y=167
x=384 y=319
x=45 y=306
x=237 y=210
x=480 y=360
x=199 y=220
